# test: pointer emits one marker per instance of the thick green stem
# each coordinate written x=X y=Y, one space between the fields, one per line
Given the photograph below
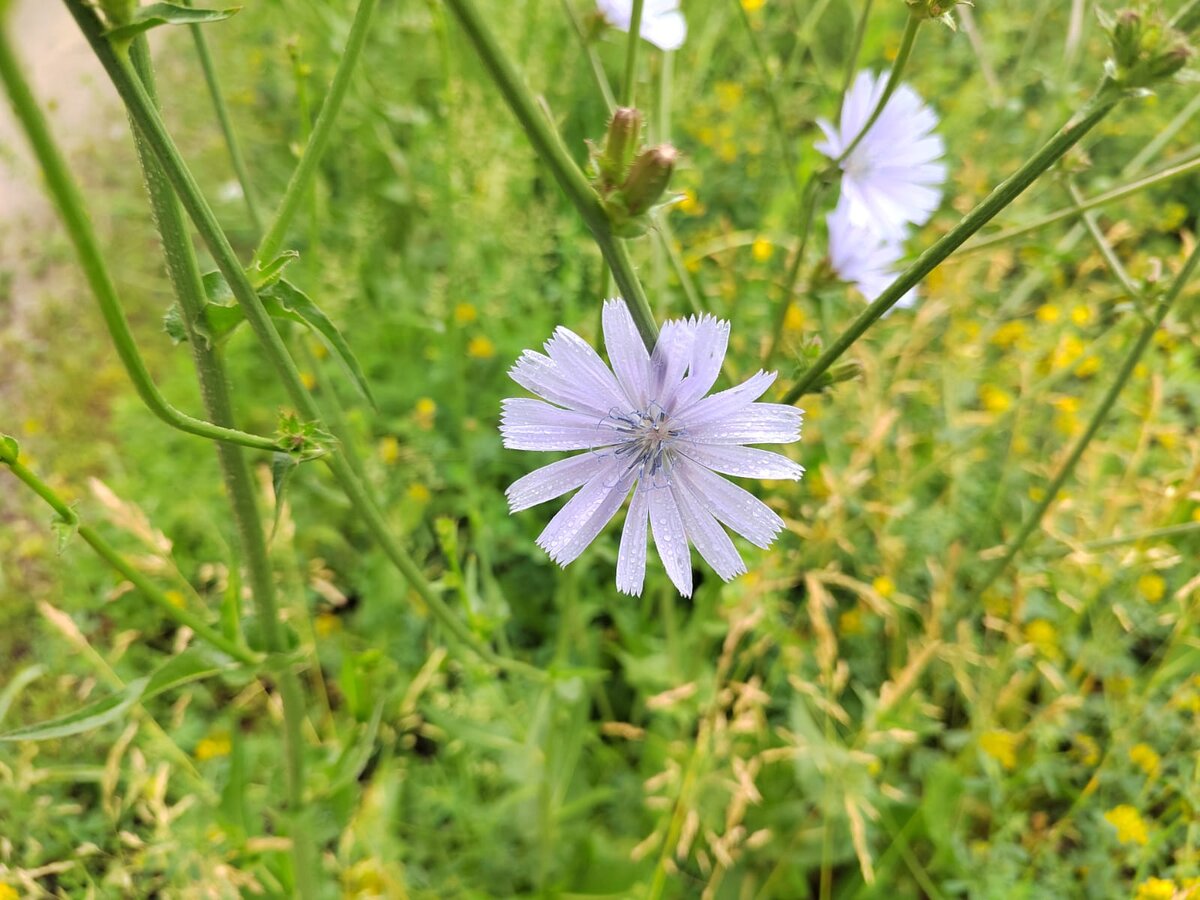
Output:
x=231 y=142
x=147 y=120
x=631 y=50
x=554 y=155
x=1034 y=520
x=69 y=202
x=178 y=614
x=1099 y=200
x=1095 y=109
x=893 y=82
x=184 y=272
x=306 y=169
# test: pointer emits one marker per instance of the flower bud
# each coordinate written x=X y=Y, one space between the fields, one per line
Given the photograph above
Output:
x=935 y=9
x=648 y=178
x=1145 y=49
x=620 y=145
x=9 y=449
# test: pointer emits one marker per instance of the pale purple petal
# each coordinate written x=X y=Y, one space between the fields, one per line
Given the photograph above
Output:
x=707 y=534
x=627 y=352
x=743 y=462
x=670 y=539
x=585 y=515
x=758 y=423
x=583 y=367
x=528 y=424
x=672 y=354
x=541 y=375
x=710 y=340
x=740 y=510
x=725 y=403
x=555 y=480
x=662 y=23
x=631 y=557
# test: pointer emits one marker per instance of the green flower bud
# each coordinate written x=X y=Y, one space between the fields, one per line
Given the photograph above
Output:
x=648 y=178
x=620 y=145
x=935 y=9
x=1145 y=49
x=9 y=449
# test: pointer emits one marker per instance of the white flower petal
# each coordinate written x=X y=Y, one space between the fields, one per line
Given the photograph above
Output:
x=528 y=424
x=708 y=535
x=710 y=341
x=662 y=24
x=743 y=462
x=671 y=357
x=738 y=509
x=585 y=515
x=582 y=366
x=541 y=375
x=631 y=557
x=758 y=423
x=554 y=480
x=670 y=539
x=627 y=352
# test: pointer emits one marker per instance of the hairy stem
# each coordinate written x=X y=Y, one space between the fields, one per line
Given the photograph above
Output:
x=554 y=155
x=306 y=169
x=1034 y=519
x=1095 y=109
x=69 y=202
x=184 y=272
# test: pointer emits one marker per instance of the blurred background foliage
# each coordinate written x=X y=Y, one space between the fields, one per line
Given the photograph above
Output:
x=851 y=718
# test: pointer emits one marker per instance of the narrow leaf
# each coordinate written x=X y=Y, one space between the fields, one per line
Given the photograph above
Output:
x=94 y=715
x=155 y=14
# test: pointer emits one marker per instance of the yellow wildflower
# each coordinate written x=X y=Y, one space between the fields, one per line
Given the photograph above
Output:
x=794 y=320
x=1068 y=351
x=1088 y=367
x=688 y=204
x=388 y=450
x=1048 y=313
x=729 y=95
x=727 y=152
x=1044 y=637
x=424 y=412
x=217 y=744
x=1081 y=315
x=465 y=313
x=8 y=893
x=1001 y=746
x=1010 y=334
x=176 y=598
x=753 y=6
x=1152 y=587
x=419 y=493
x=326 y=624
x=320 y=351
x=1144 y=757
x=994 y=399
x=1128 y=822
x=850 y=622
x=1086 y=749
x=480 y=347
x=761 y=249
x=884 y=586
x=1156 y=889
x=309 y=380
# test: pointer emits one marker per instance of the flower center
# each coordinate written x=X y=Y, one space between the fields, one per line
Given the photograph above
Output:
x=648 y=436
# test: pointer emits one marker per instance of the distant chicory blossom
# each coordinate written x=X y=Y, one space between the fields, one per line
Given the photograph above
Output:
x=662 y=24
x=648 y=428
x=863 y=258
x=893 y=177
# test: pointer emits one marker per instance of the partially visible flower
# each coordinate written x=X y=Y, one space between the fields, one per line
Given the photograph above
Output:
x=1156 y=889
x=662 y=23
x=862 y=257
x=1131 y=829
x=1001 y=746
x=1145 y=758
x=649 y=429
x=893 y=177
x=481 y=347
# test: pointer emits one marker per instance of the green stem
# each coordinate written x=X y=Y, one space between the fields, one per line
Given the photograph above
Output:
x=67 y=199
x=1099 y=200
x=231 y=142
x=146 y=117
x=808 y=211
x=184 y=272
x=1095 y=109
x=306 y=169
x=860 y=33
x=594 y=64
x=1032 y=522
x=550 y=149
x=893 y=82
x=1106 y=250
x=179 y=615
x=631 y=49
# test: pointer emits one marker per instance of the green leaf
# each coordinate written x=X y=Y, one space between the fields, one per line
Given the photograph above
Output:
x=189 y=666
x=296 y=304
x=266 y=274
x=282 y=467
x=16 y=684
x=155 y=14
x=64 y=530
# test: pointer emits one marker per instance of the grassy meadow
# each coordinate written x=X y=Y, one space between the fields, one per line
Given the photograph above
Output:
x=871 y=711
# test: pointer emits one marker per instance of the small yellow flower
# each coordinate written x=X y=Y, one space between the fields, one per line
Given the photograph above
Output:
x=1152 y=587
x=465 y=313
x=1118 y=685
x=423 y=412
x=794 y=320
x=1088 y=367
x=1141 y=370
x=850 y=622
x=326 y=624
x=761 y=249
x=8 y=893
x=1156 y=889
x=1080 y=314
x=1086 y=749
x=1037 y=494
x=419 y=493
x=688 y=204
x=1128 y=822
x=1067 y=352
x=176 y=598
x=1001 y=746
x=753 y=6
x=729 y=95
x=1144 y=757
x=1010 y=334
x=994 y=399
x=1048 y=313
x=388 y=450
x=480 y=347
x=213 y=746
x=884 y=586
x=309 y=380
x=320 y=351
x=727 y=152
x=1044 y=637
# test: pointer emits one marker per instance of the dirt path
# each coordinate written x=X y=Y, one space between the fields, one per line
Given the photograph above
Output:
x=71 y=87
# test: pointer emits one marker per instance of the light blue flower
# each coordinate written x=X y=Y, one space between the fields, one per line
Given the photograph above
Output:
x=662 y=23
x=863 y=258
x=649 y=429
